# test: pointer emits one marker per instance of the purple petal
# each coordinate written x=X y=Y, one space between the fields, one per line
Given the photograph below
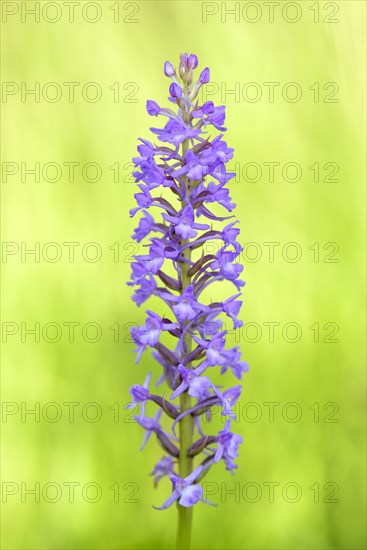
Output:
x=191 y=495
x=170 y=500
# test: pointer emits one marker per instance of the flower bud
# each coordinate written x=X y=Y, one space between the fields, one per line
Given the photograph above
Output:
x=167 y=444
x=183 y=65
x=192 y=61
x=204 y=76
x=165 y=405
x=200 y=445
x=139 y=393
x=169 y=69
x=175 y=90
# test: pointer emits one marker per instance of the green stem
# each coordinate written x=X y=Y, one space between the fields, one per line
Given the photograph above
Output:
x=186 y=424
x=185 y=468
x=186 y=439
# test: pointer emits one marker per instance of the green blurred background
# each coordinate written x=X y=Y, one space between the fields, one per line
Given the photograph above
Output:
x=321 y=453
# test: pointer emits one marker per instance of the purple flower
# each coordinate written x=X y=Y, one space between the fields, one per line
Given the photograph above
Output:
x=144 y=200
x=233 y=362
x=185 y=491
x=232 y=307
x=230 y=234
x=197 y=386
x=211 y=115
x=215 y=352
x=146 y=225
x=146 y=152
x=155 y=259
x=148 y=334
x=186 y=307
x=153 y=108
x=228 y=444
x=219 y=195
x=184 y=223
x=226 y=266
x=150 y=174
x=218 y=150
x=195 y=167
x=228 y=399
x=148 y=288
x=140 y=394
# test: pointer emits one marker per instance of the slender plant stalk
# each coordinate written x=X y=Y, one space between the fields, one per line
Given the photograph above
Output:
x=184 y=527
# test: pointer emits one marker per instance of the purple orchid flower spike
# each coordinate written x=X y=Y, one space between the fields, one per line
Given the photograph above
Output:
x=183 y=201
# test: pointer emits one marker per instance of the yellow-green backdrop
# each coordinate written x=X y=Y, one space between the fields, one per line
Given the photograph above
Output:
x=295 y=118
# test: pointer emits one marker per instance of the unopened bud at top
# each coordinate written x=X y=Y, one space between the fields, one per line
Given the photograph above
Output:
x=169 y=69
x=192 y=62
x=183 y=64
x=204 y=76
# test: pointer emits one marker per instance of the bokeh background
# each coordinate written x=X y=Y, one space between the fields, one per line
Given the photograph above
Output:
x=313 y=378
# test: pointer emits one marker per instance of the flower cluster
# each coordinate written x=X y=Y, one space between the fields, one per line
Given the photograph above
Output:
x=184 y=179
